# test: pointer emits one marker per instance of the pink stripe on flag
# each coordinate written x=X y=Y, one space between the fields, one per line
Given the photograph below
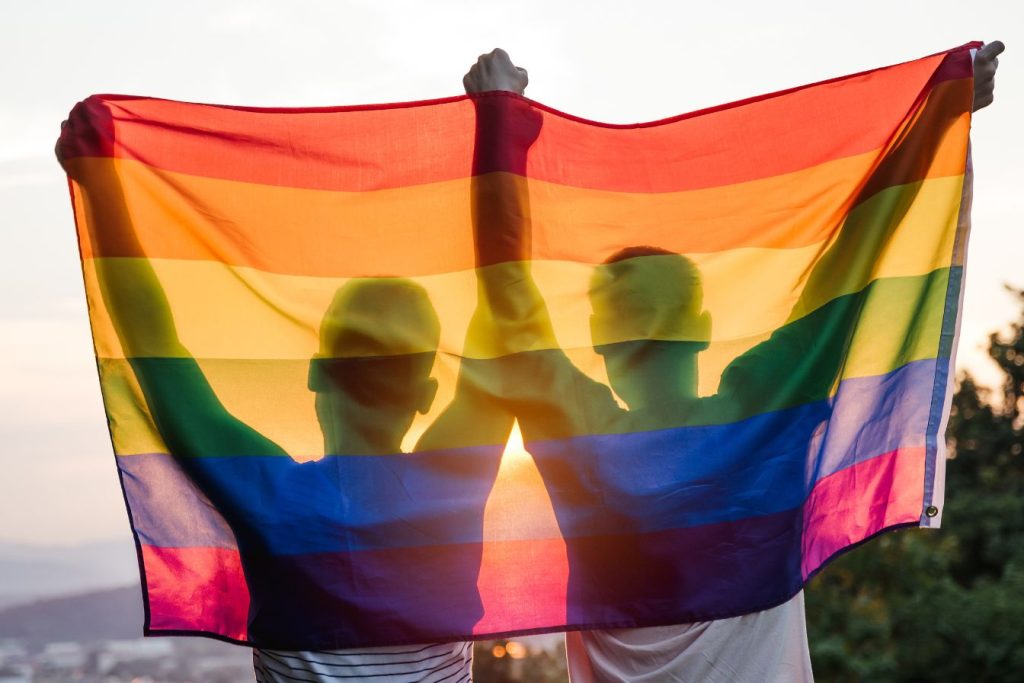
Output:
x=196 y=589
x=854 y=503
x=523 y=581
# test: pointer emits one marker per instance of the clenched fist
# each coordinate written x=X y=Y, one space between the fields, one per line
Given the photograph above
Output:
x=495 y=71
x=986 y=61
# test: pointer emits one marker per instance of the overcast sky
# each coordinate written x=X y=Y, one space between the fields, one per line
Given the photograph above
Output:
x=610 y=61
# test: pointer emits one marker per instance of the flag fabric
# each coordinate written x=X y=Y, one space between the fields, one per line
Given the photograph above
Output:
x=726 y=336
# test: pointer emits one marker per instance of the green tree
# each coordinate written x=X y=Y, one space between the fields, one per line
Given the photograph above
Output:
x=942 y=605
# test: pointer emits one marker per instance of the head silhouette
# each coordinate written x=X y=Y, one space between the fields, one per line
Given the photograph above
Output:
x=648 y=323
x=378 y=340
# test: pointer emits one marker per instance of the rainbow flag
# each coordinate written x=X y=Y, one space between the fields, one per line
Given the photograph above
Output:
x=726 y=338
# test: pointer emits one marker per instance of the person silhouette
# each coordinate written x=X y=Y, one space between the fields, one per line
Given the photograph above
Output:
x=371 y=376
x=649 y=326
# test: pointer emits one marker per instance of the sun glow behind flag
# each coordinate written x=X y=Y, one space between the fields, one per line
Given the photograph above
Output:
x=727 y=338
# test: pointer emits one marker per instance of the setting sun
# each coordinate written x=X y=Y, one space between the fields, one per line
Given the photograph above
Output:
x=520 y=535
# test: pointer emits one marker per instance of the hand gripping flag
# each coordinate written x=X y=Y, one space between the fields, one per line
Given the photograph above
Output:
x=726 y=338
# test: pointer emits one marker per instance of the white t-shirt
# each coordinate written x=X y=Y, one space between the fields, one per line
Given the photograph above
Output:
x=436 y=663
x=763 y=647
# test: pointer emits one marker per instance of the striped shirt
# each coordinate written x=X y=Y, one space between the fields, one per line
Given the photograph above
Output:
x=436 y=663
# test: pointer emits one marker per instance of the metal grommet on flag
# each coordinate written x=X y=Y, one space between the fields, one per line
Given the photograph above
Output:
x=931 y=511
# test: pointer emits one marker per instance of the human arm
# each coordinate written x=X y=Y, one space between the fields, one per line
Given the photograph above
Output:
x=513 y=362
x=477 y=415
x=805 y=356
x=186 y=410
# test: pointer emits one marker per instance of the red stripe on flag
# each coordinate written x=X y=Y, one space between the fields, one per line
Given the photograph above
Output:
x=196 y=589
x=433 y=141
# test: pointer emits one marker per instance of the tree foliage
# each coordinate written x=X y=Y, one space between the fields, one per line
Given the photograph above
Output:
x=943 y=605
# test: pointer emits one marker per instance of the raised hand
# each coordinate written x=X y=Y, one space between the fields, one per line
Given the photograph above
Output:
x=495 y=71
x=986 y=61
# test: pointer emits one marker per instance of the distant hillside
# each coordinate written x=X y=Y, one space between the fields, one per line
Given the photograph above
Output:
x=29 y=572
x=117 y=614
x=99 y=615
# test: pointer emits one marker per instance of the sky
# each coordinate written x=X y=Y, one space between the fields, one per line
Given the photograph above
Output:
x=608 y=61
